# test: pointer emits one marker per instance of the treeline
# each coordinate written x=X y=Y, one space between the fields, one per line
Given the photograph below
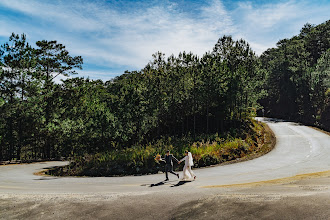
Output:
x=170 y=97
x=298 y=77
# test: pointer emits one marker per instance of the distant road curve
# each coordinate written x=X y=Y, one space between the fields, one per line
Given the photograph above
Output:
x=299 y=150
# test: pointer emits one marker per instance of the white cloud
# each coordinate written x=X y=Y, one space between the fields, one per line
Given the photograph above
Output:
x=268 y=15
x=116 y=37
x=5 y=29
x=71 y=16
x=263 y=25
x=105 y=36
x=104 y=75
x=216 y=17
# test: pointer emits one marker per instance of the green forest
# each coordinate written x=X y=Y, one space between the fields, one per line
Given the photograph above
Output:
x=177 y=102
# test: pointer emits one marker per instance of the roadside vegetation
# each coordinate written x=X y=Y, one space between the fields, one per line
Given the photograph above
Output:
x=253 y=140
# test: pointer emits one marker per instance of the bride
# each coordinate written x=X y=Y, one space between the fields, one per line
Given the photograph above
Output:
x=188 y=174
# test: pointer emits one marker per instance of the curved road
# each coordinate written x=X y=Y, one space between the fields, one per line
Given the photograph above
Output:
x=299 y=150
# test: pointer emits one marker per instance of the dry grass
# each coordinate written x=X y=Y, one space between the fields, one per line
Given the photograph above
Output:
x=320 y=130
x=266 y=147
x=276 y=181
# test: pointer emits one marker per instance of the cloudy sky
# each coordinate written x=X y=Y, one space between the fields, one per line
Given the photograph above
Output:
x=114 y=36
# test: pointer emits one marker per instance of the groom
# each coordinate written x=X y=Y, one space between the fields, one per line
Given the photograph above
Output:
x=169 y=164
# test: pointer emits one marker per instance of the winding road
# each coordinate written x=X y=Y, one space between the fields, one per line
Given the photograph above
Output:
x=297 y=168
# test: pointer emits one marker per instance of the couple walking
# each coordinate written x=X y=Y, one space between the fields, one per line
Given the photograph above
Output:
x=188 y=174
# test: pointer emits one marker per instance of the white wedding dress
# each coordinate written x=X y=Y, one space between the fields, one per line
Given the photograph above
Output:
x=188 y=174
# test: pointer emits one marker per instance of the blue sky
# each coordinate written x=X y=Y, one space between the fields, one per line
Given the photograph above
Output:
x=114 y=36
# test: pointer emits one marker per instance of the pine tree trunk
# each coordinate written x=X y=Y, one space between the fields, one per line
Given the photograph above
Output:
x=1 y=155
x=194 y=126
x=47 y=112
x=20 y=129
x=11 y=140
x=207 y=117
x=11 y=136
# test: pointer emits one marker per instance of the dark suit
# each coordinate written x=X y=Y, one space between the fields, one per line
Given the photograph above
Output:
x=169 y=164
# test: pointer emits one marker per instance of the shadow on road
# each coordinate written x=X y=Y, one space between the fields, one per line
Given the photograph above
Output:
x=276 y=120
x=46 y=178
x=162 y=183
x=51 y=167
x=180 y=183
x=157 y=184
x=273 y=120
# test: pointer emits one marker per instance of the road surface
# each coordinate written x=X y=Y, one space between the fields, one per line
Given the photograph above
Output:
x=292 y=181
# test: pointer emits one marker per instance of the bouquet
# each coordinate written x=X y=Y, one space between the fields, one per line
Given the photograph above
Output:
x=158 y=158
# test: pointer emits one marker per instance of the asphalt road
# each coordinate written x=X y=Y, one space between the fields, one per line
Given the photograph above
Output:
x=290 y=182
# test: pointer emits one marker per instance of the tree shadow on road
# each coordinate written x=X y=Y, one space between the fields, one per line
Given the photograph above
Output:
x=277 y=120
x=273 y=120
x=46 y=178
x=51 y=167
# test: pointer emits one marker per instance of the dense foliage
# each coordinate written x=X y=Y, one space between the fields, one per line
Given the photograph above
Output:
x=298 y=77
x=173 y=97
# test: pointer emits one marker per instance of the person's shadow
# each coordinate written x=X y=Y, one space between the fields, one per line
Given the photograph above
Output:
x=180 y=183
x=157 y=184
